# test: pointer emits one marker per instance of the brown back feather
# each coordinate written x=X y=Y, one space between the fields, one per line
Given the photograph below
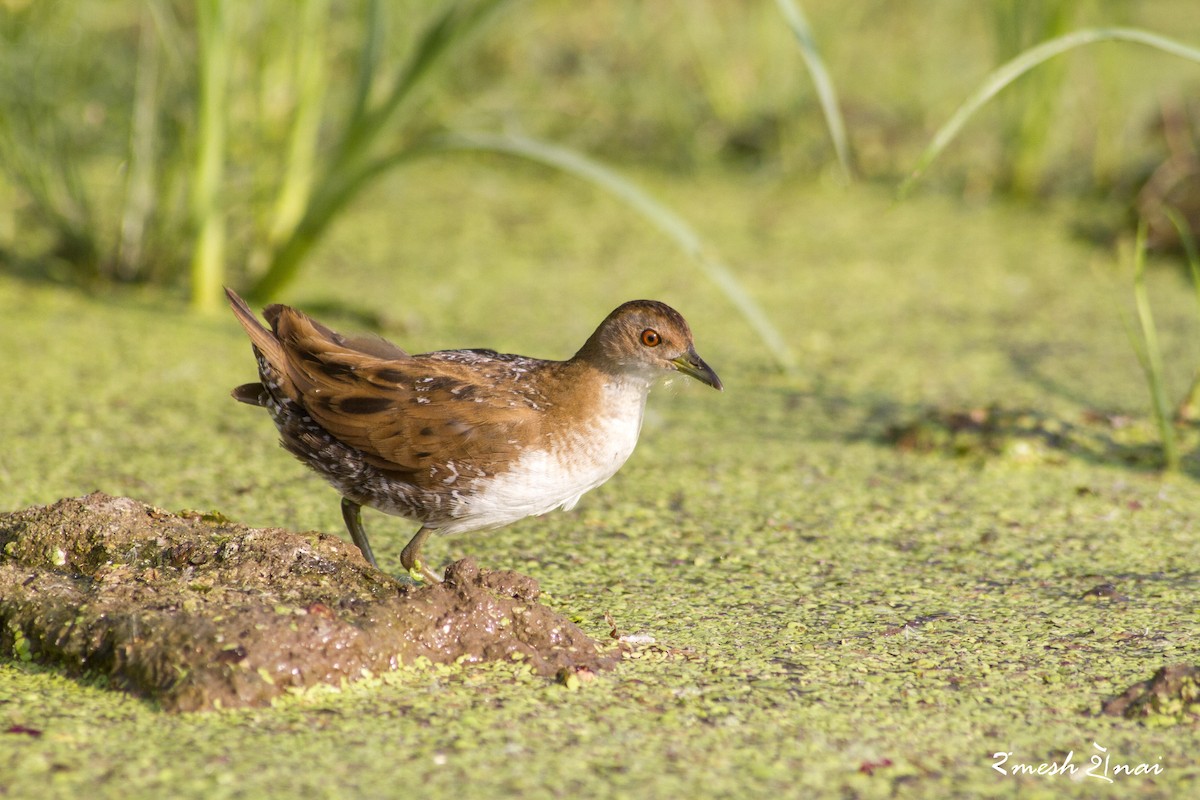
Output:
x=260 y=337
x=400 y=412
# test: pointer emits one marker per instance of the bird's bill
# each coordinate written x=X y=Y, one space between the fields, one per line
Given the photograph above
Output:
x=690 y=363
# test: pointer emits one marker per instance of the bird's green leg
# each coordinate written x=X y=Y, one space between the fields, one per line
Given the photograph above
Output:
x=352 y=513
x=410 y=557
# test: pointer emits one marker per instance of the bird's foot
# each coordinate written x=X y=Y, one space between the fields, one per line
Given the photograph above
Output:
x=421 y=572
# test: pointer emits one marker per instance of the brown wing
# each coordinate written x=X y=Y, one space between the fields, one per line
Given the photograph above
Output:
x=404 y=412
x=375 y=346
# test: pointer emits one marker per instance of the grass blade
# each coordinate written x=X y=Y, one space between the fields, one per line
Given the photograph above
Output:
x=826 y=94
x=140 y=177
x=669 y=223
x=368 y=60
x=1008 y=72
x=1189 y=409
x=1150 y=355
x=208 y=257
x=321 y=212
x=1027 y=113
x=452 y=23
x=351 y=166
x=311 y=79
x=1189 y=246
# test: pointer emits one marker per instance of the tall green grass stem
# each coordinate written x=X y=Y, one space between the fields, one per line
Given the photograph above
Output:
x=353 y=163
x=1008 y=72
x=1029 y=110
x=1189 y=246
x=826 y=94
x=1150 y=356
x=208 y=258
x=1189 y=409
x=140 y=175
x=311 y=81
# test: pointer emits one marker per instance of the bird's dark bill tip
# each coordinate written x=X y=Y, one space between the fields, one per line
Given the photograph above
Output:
x=693 y=365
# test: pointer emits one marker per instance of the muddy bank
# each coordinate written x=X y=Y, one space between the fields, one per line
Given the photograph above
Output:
x=198 y=612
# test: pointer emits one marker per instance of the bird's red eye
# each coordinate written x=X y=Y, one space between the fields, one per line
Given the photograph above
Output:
x=650 y=337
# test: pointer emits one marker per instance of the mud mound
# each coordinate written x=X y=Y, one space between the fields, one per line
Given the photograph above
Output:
x=198 y=612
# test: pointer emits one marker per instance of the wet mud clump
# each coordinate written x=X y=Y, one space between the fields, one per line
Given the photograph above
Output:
x=1173 y=692
x=198 y=612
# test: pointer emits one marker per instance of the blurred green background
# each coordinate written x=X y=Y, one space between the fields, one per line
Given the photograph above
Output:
x=153 y=141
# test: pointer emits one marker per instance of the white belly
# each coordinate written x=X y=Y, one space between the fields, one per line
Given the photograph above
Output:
x=543 y=480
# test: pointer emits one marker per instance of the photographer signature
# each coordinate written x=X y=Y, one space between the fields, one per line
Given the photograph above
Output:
x=1100 y=766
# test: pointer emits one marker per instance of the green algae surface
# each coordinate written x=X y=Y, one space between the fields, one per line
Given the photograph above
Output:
x=811 y=608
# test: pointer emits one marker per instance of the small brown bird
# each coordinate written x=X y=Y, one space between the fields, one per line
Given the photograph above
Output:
x=460 y=440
